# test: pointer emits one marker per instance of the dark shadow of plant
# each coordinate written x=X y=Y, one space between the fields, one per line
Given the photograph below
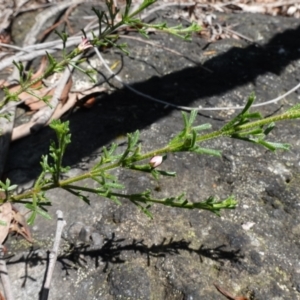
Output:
x=111 y=252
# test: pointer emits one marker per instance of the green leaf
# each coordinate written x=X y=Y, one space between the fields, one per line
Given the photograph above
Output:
x=155 y=174
x=38 y=210
x=269 y=128
x=51 y=59
x=192 y=118
x=88 y=73
x=144 y=5
x=114 y=185
x=12 y=187
x=31 y=219
x=274 y=146
x=144 y=209
x=201 y=150
x=135 y=137
x=202 y=127
x=249 y=103
x=115 y=199
x=20 y=67
x=240 y=118
x=166 y=173
x=64 y=37
x=127 y=8
x=254 y=115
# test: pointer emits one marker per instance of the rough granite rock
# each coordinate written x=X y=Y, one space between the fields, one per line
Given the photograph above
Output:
x=121 y=253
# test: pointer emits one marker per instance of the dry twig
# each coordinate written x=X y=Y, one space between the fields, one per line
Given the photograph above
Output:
x=4 y=277
x=53 y=255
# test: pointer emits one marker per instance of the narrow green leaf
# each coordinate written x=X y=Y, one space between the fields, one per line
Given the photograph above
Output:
x=135 y=138
x=114 y=199
x=144 y=5
x=202 y=127
x=185 y=119
x=238 y=120
x=166 y=173
x=31 y=219
x=7 y=182
x=20 y=67
x=38 y=210
x=192 y=118
x=155 y=174
x=144 y=209
x=194 y=139
x=254 y=115
x=213 y=152
x=274 y=146
x=249 y=103
x=114 y=185
x=127 y=8
x=269 y=128
x=51 y=59
x=43 y=213
x=12 y=187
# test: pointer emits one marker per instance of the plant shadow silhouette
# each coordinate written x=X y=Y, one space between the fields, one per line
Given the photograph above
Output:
x=110 y=252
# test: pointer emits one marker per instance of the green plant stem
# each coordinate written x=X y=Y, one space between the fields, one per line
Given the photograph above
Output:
x=167 y=149
x=144 y=199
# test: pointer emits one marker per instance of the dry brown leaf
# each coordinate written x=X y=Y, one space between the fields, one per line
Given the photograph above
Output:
x=19 y=225
x=6 y=215
x=87 y=98
x=1 y=296
x=34 y=104
x=228 y=295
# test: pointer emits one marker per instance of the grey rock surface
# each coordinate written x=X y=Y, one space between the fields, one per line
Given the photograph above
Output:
x=122 y=254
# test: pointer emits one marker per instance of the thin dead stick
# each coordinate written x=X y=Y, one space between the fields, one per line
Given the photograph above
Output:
x=228 y=295
x=230 y=31
x=51 y=47
x=188 y=108
x=277 y=3
x=4 y=277
x=53 y=255
x=13 y=47
x=65 y=19
x=36 y=7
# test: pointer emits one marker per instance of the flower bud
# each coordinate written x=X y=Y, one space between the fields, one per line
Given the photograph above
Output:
x=85 y=44
x=155 y=161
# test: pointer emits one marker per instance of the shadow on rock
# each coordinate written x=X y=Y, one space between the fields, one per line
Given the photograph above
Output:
x=111 y=252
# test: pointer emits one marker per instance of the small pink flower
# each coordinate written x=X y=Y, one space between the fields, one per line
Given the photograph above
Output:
x=155 y=161
x=85 y=44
